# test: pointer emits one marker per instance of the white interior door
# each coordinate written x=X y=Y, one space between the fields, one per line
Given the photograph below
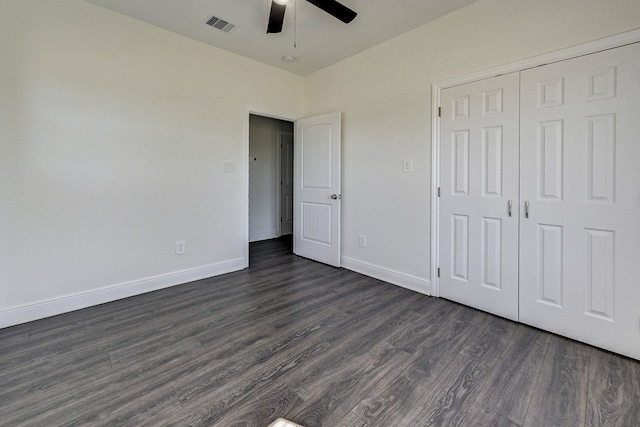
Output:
x=479 y=195
x=317 y=184
x=580 y=245
x=286 y=182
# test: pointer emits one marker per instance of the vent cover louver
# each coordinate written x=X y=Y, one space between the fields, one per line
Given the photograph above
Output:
x=220 y=24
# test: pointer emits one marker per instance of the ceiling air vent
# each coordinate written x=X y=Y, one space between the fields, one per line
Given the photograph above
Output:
x=220 y=24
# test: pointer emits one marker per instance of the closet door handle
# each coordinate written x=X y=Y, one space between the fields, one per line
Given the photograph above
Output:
x=526 y=209
x=509 y=207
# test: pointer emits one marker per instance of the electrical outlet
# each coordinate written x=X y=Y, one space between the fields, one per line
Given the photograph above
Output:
x=180 y=247
x=362 y=241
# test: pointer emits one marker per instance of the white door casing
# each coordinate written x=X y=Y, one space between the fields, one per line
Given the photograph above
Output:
x=317 y=186
x=479 y=195
x=580 y=147
x=286 y=182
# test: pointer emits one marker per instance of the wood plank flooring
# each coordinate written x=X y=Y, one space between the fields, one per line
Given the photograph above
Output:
x=300 y=340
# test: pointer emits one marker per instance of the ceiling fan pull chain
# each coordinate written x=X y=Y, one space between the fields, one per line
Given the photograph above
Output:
x=295 y=24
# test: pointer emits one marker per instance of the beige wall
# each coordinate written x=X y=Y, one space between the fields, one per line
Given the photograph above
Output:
x=385 y=95
x=113 y=139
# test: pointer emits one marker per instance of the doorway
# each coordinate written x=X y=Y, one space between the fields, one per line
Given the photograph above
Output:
x=270 y=178
x=316 y=153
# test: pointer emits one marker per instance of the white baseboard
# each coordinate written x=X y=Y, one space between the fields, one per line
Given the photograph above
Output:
x=263 y=235
x=387 y=275
x=65 y=304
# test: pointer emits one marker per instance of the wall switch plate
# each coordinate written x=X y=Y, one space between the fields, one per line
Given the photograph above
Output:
x=407 y=165
x=362 y=241
x=180 y=247
x=229 y=166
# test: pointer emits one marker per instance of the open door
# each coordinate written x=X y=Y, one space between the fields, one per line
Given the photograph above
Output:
x=317 y=184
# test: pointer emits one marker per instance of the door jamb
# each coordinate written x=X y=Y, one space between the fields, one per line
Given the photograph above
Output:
x=611 y=42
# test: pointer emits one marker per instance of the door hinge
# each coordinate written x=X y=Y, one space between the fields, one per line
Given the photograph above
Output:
x=438 y=271
x=438 y=191
x=439 y=111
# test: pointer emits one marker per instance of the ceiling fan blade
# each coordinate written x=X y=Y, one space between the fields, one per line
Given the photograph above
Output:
x=276 y=18
x=332 y=7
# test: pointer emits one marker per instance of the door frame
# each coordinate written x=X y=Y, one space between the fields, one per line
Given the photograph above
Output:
x=258 y=111
x=560 y=55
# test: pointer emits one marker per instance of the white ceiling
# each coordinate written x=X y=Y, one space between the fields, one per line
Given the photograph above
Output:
x=322 y=40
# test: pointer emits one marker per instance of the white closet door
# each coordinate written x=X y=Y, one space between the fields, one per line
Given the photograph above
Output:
x=580 y=174
x=479 y=181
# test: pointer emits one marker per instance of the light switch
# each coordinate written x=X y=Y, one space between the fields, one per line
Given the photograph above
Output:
x=229 y=166
x=407 y=165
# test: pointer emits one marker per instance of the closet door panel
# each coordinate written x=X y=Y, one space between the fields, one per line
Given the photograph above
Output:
x=580 y=245
x=479 y=176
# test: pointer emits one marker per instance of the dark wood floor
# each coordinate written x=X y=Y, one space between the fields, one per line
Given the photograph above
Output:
x=321 y=346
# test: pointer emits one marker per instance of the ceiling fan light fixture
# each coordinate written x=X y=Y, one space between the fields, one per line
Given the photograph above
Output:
x=283 y=2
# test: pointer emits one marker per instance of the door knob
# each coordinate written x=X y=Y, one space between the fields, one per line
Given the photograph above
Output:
x=336 y=196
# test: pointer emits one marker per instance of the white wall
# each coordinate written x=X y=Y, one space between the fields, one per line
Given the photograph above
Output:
x=264 y=222
x=385 y=94
x=113 y=140
x=114 y=135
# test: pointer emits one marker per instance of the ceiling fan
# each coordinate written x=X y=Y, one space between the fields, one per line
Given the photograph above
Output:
x=332 y=7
